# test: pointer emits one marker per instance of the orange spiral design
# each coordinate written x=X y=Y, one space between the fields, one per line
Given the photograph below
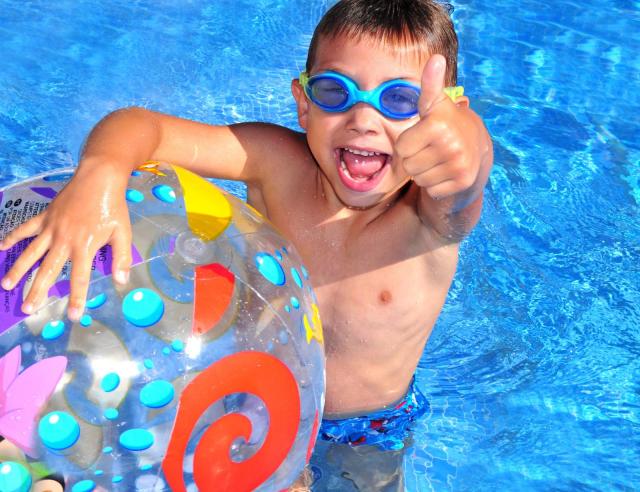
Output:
x=259 y=374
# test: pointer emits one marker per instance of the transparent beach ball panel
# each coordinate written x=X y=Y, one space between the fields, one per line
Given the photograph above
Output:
x=204 y=372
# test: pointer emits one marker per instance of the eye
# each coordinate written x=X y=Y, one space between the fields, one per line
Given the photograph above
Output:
x=401 y=99
x=328 y=92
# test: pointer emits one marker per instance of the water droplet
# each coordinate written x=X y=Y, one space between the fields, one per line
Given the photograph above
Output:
x=110 y=382
x=134 y=196
x=111 y=413
x=98 y=473
x=14 y=477
x=135 y=173
x=86 y=320
x=58 y=430
x=287 y=308
x=146 y=467
x=53 y=330
x=305 y=273
x=295 y=302
x=136 y=439
x=84 y=486
x=164 y=193
x=278 y=255
x=270 y=269
x=285 y=250
x=96 y=301
x=156 y=394
x=117 y=479
x=142 y=307
x=296 y=277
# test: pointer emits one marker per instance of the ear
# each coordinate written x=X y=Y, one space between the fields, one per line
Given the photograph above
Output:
x=462 y=102
x=302 y=102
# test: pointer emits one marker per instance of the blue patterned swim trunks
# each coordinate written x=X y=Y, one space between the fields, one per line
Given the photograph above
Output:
x=386 y=428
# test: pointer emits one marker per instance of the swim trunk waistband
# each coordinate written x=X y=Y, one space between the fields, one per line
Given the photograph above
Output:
x=386 y=428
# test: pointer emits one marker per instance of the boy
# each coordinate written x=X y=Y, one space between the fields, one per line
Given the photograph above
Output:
x=376 y=195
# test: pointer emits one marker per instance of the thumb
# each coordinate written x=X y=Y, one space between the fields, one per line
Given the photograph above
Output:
x=432 y=84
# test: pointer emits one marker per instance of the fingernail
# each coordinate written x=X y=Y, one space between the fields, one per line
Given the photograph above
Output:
x=74 y=313
x=27 y=308
x=122 y=277
x=6 y=284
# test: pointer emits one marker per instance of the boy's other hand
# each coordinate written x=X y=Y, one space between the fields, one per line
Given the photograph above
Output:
x=89 y=212
x=443 y=151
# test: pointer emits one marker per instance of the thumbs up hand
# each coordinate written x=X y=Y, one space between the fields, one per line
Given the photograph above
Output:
x=443 y=152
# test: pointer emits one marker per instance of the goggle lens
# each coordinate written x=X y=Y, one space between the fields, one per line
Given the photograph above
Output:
x=328 y=93
x=400 y=100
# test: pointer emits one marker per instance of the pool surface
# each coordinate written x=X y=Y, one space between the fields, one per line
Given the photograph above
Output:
x=533 y=370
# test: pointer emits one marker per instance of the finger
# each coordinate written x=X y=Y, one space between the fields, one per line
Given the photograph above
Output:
x=46 y=276
x=80 y=278
x=10 y=452
x=36 y=249
x=432 y=84
x=28 y=229
x=121 y=248
x=47 y=485
x=423 y=134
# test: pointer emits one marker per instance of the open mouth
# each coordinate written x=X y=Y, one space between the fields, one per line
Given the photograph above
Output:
x=361 y=170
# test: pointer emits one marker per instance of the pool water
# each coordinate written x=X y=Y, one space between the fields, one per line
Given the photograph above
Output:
x=533 y=370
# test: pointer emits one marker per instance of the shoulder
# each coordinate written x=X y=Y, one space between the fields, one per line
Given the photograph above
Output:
x=273 y=152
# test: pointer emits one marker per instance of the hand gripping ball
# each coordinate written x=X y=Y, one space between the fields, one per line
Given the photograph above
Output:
x=205 y=372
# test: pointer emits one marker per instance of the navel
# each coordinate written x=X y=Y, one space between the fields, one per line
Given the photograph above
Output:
x=385 y=297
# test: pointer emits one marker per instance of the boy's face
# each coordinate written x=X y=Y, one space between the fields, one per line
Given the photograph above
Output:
x=339 y=140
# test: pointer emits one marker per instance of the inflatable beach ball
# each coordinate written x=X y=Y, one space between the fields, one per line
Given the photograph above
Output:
x=205 y=372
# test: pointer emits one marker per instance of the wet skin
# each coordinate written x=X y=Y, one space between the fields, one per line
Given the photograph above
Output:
x=380 y=239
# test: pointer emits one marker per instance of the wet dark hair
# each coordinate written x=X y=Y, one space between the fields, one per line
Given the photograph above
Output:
x=422 y=24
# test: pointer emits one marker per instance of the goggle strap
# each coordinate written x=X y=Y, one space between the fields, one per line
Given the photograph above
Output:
x=452 y=92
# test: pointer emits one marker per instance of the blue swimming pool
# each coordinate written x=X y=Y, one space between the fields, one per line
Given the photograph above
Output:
x=533 y=371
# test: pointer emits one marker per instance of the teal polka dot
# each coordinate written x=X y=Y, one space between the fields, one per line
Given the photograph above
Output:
x=107 y=449
x=110 y=382
x=142 y=307
x=98 y=473
x=53 y=330
x=84 y=486
x=136 y=439
x=58 y=430
x=295 y=302
x=14 y=477
x=296 y=277
x=96 y=301
x=177 y=345
x=86 y=320
x=164 y=193
x=117 y=479
x=270 y=269
x=134 y=196
x=156 y=394
x=111 y=413
x=148 y=363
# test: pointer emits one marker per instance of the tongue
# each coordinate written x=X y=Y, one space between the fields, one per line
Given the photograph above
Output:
x=361 y=166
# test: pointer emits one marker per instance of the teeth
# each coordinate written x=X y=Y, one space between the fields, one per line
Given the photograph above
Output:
x=361 y=152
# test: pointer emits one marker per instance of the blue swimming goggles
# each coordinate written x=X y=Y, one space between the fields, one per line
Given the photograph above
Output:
x=397 y=99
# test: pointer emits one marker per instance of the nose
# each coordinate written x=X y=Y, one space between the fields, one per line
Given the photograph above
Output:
x=363 y=119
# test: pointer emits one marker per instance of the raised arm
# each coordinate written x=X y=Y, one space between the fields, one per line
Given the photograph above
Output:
x=91 y=210
x=449 y=154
